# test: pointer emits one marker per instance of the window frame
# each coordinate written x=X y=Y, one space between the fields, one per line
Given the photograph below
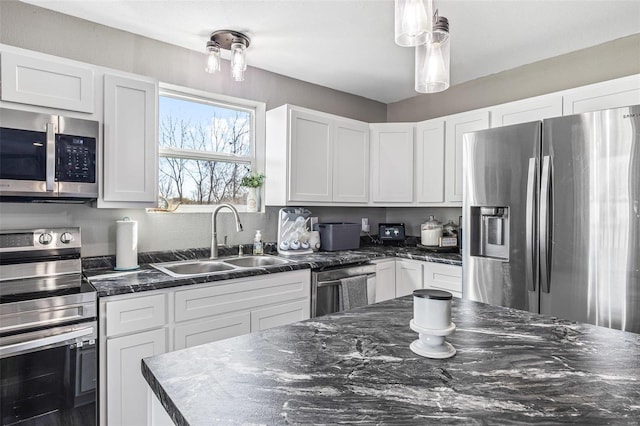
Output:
x=257 y=143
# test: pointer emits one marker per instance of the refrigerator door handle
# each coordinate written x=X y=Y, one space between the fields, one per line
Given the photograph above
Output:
x=545 y=219
x=531 y=258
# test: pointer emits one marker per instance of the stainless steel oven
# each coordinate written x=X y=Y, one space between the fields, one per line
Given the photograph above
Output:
x=48 y=330
x=326 y=286
x=47 y=157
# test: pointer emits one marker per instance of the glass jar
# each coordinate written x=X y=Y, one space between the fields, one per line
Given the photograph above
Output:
x=450 y=229
x=430 y=232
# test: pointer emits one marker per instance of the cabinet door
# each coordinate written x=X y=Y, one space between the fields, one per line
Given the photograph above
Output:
x=46 y=83
x=533 y=109
x=130 y=142
x=430 y=161
x=408 y=277
x=212 y=330
x=443 y=277
x=457 y=125
x=392 y=163
x=128 y=394
x=385 y=280
x=310 y=157
x=275 y=316
x=609 y=94
x=351 y=163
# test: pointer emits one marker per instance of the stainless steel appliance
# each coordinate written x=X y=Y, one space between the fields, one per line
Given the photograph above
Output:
x=47 y=157
x=48 y=330
x=552 y=217
x=326 y=290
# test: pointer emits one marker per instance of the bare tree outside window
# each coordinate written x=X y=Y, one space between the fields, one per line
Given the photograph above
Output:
x=205 y=151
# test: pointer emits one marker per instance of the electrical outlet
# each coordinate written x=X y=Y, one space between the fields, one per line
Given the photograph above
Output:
x=365 y=225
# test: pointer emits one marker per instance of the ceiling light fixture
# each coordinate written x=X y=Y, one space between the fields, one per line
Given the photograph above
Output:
x=412 y=22
x=433 y=59
x=234 y=41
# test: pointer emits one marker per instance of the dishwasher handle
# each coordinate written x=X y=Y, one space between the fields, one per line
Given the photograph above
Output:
x=327 y=283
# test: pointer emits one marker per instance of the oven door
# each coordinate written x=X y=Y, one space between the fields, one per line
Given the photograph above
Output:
x=48 y=377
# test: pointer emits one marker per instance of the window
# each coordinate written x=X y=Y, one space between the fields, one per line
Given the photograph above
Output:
x=207 y=145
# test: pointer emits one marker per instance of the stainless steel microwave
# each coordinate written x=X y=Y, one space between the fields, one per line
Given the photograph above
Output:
x=47 y=157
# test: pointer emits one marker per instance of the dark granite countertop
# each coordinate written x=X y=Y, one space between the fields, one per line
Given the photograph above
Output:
x=511 y=367
x=108 y=282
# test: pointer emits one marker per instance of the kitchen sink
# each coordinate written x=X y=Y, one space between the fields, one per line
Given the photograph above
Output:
x=256 y=261
x=199 y=267
x=208 y=267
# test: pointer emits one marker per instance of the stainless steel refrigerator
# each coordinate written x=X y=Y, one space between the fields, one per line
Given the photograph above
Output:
x=551 y=217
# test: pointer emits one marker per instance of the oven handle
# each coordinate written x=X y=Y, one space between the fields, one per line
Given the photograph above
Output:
x=30 y=345
x=336 y=282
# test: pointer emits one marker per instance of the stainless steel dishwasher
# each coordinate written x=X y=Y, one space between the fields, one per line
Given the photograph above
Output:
x=325 y=286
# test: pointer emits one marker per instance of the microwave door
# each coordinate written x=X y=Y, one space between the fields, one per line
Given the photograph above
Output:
x=27 y=154
x=26 y=159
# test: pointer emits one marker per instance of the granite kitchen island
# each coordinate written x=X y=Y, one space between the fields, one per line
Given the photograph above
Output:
x=356 y=367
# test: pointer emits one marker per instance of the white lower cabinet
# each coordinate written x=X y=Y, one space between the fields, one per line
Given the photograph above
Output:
x=443 y=277
x=399 y=277
x=385 y=279
x=275 y=316
x=136 y=326
x=408 y=276
x=128 y=394
x=211 y=330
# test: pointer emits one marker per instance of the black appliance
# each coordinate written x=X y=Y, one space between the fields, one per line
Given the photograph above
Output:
x=47 y=157
x=48 y=330
x=391 y=233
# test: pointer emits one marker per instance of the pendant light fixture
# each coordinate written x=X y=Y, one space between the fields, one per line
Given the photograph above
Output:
x=433 y=59
x=412 y=22
x=234 y=41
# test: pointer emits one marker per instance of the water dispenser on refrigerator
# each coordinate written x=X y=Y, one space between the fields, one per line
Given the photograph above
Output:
x=489 y=228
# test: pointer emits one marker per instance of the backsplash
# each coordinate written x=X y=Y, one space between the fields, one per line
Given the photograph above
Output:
x=175 y=231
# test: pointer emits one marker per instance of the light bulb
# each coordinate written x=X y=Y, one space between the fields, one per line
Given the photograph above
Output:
x=213 y=58
x=433 y=62
x=412 y=21
x=238 y=61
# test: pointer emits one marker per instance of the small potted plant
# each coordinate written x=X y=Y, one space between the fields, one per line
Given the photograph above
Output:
x=253 y=181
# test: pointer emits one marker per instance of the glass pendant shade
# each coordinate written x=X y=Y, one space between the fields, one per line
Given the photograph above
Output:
x=213 y=58
x=433 y=62
x=238 y=61
x=413 y=22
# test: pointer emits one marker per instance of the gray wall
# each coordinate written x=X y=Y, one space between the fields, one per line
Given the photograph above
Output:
x=607 y=61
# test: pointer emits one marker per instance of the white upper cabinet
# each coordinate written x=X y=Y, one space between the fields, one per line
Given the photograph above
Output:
x=310 y=160
x=315 y=158
x=48 y=83
x=527 y=110
x=351 y=162
x=430 y=161
x=130 y=163
x=608 y=94
x=392 y=149
x=456 y=126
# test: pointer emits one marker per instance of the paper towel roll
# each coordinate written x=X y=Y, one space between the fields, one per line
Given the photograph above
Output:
x=126 y=245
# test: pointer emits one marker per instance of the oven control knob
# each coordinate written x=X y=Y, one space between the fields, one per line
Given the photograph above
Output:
x=45 y=239
x=66 y=238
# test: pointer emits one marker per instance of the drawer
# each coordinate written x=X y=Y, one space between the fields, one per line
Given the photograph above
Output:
x=240 y=295
x=212 y=330
x=443 y=277
x=136 y=314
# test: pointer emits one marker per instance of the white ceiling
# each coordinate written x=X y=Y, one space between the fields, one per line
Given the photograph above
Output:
x=348 y=44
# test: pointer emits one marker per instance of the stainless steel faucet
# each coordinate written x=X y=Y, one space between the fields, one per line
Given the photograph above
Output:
x=214 y=227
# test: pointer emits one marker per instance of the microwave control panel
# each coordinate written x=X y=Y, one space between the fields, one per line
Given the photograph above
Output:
x=76 y=159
